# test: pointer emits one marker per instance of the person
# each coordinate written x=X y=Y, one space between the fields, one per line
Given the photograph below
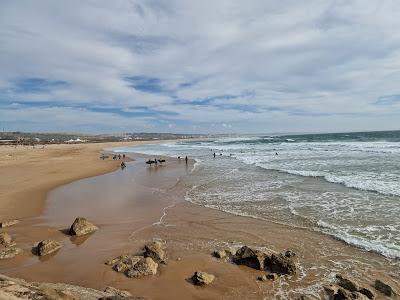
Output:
x=155 y=161
x=186 y=159
x=179 y=157
x=123 y=156
x=214 y=154
x=123 y=165
x=276 y=153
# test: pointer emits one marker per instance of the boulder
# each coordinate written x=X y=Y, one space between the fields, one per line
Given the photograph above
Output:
x=262 y=278
x=145 y=266
x=219 y=253
x=347 y=284
x=123 y=262
x=8 y=223
x=9 y=252
x=289 y=253
x=116 y=292
x=250 y=257
x=281 y=264
x=331 y=289
x=336 y=292
x=202 y=278
x=367 y=292
x=47 y=246
x=272 y=276
x=384 y=288
x=81 y=226
x=6 y=240
x=155 y=250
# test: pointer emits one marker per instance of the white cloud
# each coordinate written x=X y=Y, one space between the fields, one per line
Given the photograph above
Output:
x=281 y=64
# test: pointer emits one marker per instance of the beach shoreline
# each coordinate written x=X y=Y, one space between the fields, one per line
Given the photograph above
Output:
x=192 y=232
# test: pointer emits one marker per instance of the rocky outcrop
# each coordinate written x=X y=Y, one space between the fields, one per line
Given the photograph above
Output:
x=384 y=288
x=156 y=251
x=250 y=257
x=347 y=283
x=46 y=247
x=219 y=253
x=81 y=226
x=145 y=266
x=336 y=292
x=8 y=223
x=6 y=240
x=9 y=252
x=281 y=264
x=367 y=292
x=202 y=278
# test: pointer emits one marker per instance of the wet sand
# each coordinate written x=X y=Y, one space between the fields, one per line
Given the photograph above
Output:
x=140 y=203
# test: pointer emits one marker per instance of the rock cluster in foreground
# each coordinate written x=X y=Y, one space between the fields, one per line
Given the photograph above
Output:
x=8 y=247
x=18 y=289
x=134 y=266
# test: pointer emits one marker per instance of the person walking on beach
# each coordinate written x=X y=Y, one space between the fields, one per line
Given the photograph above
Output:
x=186 y=159
x=214 y=154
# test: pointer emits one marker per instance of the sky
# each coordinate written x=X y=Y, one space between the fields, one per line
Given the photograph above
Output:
x=181 y=66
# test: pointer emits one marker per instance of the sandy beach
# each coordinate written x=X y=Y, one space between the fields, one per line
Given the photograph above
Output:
x=47 y=188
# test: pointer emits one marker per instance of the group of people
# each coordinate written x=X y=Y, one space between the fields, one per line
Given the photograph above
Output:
x=118 y=156
x=155 y=161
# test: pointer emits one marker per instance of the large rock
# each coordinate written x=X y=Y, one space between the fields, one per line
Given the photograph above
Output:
x=155 y=250
x=123 y=262
x=250 y=257
x=202 y=278
x=384 y=288
x=8 y=223
x=145 y=266
x=281 y=264
x=81 y=226
x=47 y=246
x=367 y=292
x=6 y=240
x=14 y=288
x=9 y=252
x=219 y=253
x=336 y=292
x=347 y=283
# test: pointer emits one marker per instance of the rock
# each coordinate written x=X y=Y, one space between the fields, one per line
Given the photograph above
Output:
x=6 y=240
x=384 y=288
x=14 y=288
x=202 y=278
x=155 y=250
x=250 y=257
x=262 y=278
x=8 y=223
x=47 y=246
x=81 y=226
x=289 y=254
x=281 y=264
x=347 y=284
x=9 y=252
x=272 y=276
x=145 y=266
x=116 y=292
x=306 y=297
x=367 y=292
x=331 y=289
x=123 y=262
x=121 y=298
x=219 y=253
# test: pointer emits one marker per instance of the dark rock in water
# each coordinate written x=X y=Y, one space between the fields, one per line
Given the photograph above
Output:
x=116 y=292
x=9 y=252
x=347 y=284
x=8 y=223
x=384 y=288
x=202 y=278
x=367 y=292
x=47 y=246
x=289 y=253
x=331 y=289
x=250 y=257
x=145 y=266
x=6 y=240
x=155 y=250
x=81 y=226
x=336 y=292
x=281 y=264
x=272 y=276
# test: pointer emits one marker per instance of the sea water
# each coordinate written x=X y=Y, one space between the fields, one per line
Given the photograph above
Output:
x=345 y=184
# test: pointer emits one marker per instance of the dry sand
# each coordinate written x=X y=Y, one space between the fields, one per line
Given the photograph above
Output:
x=138 y=204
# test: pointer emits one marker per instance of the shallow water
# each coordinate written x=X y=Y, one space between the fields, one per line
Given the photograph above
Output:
x=345 y=185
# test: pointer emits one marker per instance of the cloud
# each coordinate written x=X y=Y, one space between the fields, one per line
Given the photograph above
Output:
x=263 y=66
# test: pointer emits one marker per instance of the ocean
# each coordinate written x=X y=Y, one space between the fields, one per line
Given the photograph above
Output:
x=346 y=185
